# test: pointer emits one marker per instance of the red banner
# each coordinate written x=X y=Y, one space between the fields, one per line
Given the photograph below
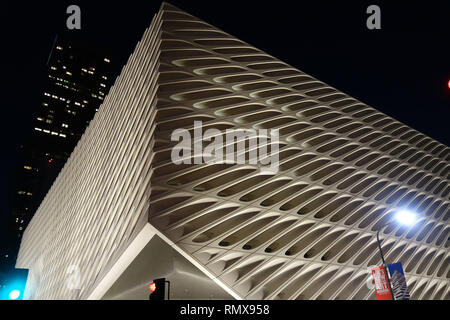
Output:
x=381 y=283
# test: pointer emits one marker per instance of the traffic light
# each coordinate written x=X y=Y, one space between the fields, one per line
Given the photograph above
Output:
x=157 y=289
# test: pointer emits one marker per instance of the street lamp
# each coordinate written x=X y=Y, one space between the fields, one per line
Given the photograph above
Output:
x=404 y=217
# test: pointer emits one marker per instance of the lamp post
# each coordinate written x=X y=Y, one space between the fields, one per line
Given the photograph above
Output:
x=405 y=217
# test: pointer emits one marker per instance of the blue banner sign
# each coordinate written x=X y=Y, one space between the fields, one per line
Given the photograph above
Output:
x=398 y=281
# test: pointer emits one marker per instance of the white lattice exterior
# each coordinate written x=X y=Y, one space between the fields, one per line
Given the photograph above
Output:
x=306 y=232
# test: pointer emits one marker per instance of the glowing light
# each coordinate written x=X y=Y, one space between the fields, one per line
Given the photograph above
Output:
x=152 y=287
x=13 y=295
x=406 y=217
x=448 y=84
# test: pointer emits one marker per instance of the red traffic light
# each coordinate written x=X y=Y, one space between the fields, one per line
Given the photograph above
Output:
x=157 y=289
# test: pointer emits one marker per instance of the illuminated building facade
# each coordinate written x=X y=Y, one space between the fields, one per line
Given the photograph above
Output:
x=305 y=232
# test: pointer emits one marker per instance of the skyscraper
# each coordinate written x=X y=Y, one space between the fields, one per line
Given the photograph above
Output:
x=304 y=231
x=75 y=86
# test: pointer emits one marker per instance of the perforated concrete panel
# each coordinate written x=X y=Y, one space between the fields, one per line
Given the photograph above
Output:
x=304 y=232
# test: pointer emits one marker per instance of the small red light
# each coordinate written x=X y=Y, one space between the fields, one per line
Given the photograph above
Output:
x=448 y=84
x=152 y=287
x=50 y=160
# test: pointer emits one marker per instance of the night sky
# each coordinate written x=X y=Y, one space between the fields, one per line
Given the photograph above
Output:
x=402 y=70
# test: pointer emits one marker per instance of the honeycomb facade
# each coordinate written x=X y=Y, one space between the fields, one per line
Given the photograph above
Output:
x=305 y=232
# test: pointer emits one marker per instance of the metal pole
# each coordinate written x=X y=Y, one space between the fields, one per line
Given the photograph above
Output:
x=384 y=263
x=168 y=290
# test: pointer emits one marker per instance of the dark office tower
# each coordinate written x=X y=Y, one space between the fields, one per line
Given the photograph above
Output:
x=75 y=86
